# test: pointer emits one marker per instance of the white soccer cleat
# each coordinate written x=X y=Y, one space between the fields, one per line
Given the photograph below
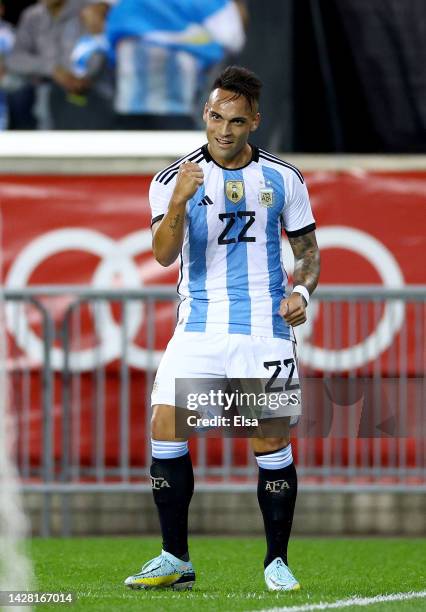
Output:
x=278 y=577
x=164 y=571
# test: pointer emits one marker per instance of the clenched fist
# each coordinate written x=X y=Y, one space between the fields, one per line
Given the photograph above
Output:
x=293 y=309
x=189 y=178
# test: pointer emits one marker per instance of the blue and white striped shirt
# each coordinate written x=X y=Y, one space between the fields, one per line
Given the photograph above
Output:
x=162 y=50
x=86 y=48
x=232 y=276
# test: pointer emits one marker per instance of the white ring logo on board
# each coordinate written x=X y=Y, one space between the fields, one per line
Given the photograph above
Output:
x=117 y=257
x=349 y=238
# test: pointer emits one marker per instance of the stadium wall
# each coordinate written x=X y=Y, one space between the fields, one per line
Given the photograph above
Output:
x=328 y=513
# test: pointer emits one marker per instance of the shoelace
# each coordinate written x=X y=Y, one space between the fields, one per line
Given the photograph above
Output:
x=157 y=560
x=283 y=571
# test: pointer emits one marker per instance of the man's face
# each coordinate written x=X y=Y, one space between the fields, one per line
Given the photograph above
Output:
x=229 y=122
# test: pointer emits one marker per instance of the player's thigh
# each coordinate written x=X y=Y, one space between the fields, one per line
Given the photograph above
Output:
x=163 y=423
x=268 y=366
x=189 y=355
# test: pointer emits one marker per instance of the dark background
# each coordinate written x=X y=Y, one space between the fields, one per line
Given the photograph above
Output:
x=13 y=8
x=340 y=75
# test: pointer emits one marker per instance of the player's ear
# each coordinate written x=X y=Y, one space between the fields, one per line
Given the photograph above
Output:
x=255 y=122
x=205 y=112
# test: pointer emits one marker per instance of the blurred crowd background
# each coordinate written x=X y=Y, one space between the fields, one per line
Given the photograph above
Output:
x=339 y=75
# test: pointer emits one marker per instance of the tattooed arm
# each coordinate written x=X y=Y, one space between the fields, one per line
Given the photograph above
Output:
x=306 y=273
x=306 y=261
x=167 y=234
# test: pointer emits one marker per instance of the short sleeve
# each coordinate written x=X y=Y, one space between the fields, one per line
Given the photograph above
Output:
x=159 y=198
x=297 y=213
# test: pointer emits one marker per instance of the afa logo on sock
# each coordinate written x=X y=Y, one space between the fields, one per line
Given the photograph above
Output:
x=276 y=486
x=159 y=483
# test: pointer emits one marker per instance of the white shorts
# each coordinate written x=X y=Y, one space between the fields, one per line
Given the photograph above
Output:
x=219 y=355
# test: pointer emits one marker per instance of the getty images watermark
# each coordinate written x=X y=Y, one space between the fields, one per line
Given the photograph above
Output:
x=336 y=406
x=244 y=402
x=234 y=407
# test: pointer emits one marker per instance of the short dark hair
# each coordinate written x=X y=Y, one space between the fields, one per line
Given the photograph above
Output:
x=242 y=82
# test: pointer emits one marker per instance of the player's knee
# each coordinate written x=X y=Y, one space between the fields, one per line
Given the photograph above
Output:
x=269 y=445
x=162 y=423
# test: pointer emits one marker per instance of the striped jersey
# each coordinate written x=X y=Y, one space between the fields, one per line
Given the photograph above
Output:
x=232 y=277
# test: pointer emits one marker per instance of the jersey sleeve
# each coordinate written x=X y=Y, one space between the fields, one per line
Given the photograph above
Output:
x=297 y=214
x=159 y=198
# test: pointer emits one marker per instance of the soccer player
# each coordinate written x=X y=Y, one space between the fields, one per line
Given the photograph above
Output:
x=221 y=209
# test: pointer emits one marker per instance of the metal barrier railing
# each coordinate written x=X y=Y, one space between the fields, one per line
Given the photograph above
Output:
x=81 y=360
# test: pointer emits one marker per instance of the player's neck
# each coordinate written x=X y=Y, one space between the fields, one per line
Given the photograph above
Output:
x=242 y=158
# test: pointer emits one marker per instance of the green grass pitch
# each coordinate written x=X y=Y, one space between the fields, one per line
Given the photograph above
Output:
x=230 y=573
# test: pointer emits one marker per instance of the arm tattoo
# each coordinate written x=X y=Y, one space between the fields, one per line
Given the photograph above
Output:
x=306 y=260
x=173 y=224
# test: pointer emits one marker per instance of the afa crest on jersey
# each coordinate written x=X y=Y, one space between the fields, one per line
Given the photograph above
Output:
x=266 y=197
x=234 y=191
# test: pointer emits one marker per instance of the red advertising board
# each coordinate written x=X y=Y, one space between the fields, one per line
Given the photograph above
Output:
x=94 y=230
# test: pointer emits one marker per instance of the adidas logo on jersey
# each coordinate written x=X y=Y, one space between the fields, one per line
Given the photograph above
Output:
x=205 y=201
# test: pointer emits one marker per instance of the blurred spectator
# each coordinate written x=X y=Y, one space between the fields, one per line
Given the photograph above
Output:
x=90 y=57
x=45 y=37
x=7 y=38
x=163 y=52
x=91 y=60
